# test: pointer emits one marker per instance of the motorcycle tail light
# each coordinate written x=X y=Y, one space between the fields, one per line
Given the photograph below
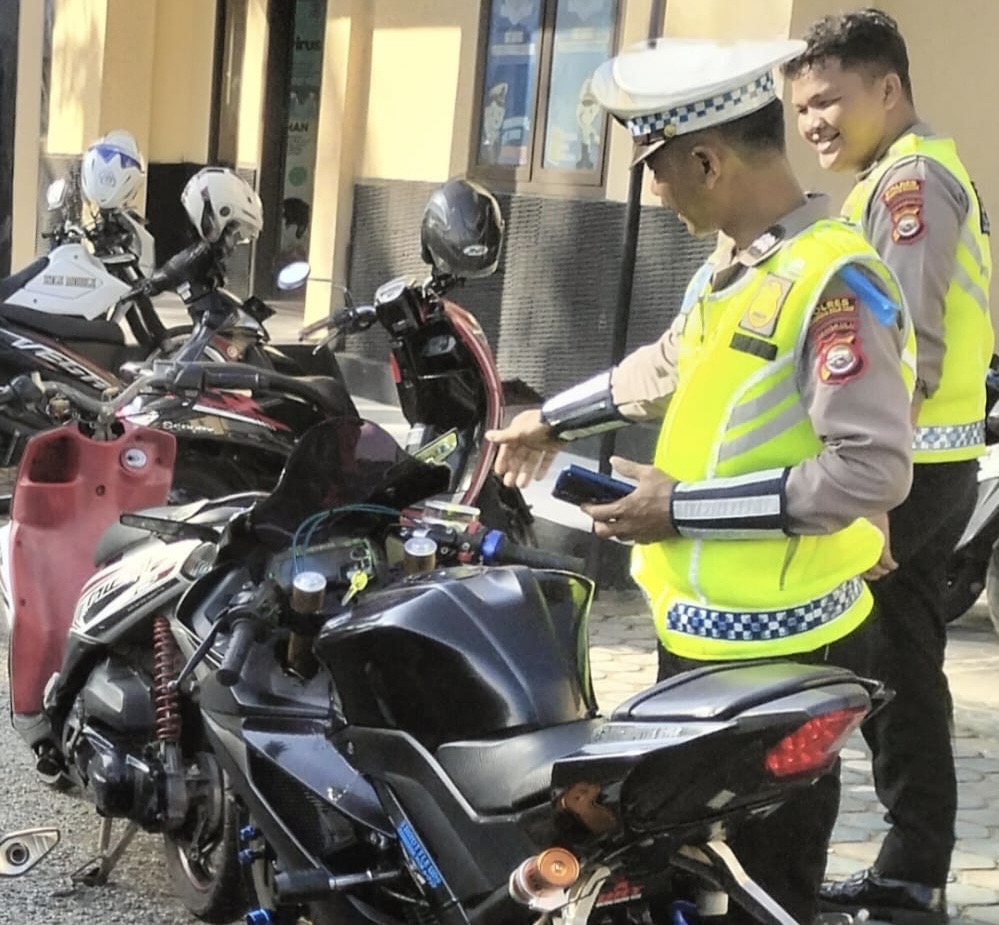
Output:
x=813 y=746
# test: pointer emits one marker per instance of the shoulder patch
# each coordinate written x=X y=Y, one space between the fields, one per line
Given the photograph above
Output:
x=840 y=358
x=835 y=316
x=904 y=201
x=764 y=311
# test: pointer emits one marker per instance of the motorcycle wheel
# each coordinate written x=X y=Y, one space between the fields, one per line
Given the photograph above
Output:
x=964 y=584
x=505 y=509
x=992 y=587
x=202 y=859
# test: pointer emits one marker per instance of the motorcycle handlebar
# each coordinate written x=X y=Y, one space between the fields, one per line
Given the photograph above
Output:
x=243 y=635
x=497 y=548
x=494 y=547
x=349 y=320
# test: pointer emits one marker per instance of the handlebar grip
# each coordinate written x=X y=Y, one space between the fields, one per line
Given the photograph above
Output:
x=243 y=634
x=234 y=376
x=496 y=547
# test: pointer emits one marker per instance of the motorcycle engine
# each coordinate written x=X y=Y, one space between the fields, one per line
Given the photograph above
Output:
x=105 y=740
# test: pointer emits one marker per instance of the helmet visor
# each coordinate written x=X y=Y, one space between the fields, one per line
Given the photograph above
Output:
x=108 y=153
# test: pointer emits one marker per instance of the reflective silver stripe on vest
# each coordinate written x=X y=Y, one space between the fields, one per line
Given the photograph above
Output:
x=949 y=436
x=770 y=399
x=961 y=276
x=761 y=625
x=788 y=418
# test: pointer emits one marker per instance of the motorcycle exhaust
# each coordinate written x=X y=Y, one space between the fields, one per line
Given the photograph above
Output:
x=543 y=879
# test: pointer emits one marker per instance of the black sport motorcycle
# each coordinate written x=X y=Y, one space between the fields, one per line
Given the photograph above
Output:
x=392 y=715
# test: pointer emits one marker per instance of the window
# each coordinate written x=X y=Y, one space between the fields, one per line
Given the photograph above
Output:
x=539 y=123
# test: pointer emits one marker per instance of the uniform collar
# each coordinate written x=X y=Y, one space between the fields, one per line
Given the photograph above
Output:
x=921 y=129
x=815 y=207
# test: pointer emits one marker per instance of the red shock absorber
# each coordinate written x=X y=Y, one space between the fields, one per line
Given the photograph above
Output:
x=166 y=702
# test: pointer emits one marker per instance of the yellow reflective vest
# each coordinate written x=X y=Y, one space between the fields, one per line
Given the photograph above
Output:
x=738 y=411
x=950 y=426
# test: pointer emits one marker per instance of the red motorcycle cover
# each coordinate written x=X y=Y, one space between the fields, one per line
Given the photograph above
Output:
x=69 y=489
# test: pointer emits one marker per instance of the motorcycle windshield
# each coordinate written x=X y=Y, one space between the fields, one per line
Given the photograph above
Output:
x=342 y=462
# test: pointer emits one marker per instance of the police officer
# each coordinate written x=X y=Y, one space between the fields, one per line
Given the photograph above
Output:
x=917 y=205
x=784 y=386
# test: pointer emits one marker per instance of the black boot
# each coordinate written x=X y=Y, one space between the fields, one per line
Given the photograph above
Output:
x=900 y=901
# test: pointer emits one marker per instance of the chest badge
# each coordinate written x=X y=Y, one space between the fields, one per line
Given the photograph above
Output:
x=764 y=310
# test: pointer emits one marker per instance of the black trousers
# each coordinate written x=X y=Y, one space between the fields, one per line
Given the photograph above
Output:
x=785 y=852
x=911 y=738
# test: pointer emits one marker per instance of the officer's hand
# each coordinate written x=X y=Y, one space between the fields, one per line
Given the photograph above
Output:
x=642 y=516
x=886 y=564
x=526 y=449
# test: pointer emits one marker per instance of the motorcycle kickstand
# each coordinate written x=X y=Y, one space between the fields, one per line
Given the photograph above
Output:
x=96 y=871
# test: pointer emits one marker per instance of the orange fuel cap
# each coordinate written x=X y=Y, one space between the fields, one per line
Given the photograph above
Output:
x=557 y=867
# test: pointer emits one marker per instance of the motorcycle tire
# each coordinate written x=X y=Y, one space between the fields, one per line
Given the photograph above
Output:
x=992 y=587
x=965 y=582
x=209 y=884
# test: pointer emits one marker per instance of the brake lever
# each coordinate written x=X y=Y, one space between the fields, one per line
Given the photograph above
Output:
x=197 y=656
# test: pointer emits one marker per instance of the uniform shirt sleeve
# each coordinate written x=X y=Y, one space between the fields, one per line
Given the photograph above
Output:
x=914 y=221
x=644 y=381
x=850 y=381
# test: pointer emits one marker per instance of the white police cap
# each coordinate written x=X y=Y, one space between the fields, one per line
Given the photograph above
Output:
x=677 y=85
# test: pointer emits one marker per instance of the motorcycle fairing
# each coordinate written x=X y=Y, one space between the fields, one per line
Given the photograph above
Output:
x=74 y=282
x=69 y=488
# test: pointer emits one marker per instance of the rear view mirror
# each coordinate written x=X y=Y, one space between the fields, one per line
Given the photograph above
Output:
x=293 y=276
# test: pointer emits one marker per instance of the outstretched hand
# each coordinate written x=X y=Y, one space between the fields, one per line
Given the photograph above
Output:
x=643 y=516
x=526 y=449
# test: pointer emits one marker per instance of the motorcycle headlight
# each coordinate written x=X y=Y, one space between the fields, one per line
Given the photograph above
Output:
x=200 y=561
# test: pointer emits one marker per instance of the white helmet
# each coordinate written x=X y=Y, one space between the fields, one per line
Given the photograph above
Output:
x=217 y=198
x=112 y=171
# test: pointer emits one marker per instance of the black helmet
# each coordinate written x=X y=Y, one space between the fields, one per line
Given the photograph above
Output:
x=462 y=230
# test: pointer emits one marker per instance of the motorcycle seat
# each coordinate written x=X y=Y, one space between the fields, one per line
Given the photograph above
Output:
x=64 y=327
x=10 y=284
x=501 y=775
x=719 y=692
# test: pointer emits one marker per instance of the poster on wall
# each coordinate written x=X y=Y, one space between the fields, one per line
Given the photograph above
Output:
x=584 y=36
x=301 y=137
x=511 y=83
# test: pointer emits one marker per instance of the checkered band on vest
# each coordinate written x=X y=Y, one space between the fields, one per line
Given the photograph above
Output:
x=722 y=108
x=949 y=436
x=761 y=625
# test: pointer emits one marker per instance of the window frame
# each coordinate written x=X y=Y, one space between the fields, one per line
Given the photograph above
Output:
x=534 y=177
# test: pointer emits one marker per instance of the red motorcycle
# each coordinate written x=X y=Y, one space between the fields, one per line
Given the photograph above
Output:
x=449 y=386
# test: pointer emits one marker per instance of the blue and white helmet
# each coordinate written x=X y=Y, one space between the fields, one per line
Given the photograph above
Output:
x=217 y=199
x=112 y=171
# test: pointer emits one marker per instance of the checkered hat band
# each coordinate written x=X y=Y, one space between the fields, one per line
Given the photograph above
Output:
x=760 y=625
x=722 y=108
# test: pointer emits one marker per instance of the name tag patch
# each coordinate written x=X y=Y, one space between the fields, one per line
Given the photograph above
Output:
x=764 y=311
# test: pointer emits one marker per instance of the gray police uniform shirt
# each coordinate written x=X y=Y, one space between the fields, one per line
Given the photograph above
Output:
x=864 y=420
x=923 y=261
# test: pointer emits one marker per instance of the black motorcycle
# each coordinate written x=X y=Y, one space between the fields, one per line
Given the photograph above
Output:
x=402 y=710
